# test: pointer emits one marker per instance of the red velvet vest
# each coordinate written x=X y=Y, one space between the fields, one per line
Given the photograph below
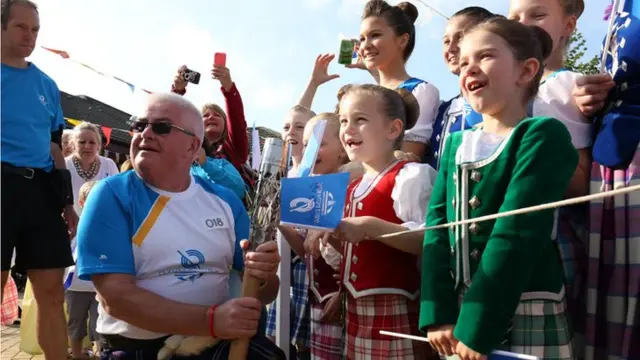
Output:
x=371 y=267
x=321 y=280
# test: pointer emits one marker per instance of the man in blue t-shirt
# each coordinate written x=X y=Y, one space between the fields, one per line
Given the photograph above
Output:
x=36 y=187
x=159 y=244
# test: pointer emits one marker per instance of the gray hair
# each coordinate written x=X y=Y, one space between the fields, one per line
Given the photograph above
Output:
x=190 y=114
x=89 y=127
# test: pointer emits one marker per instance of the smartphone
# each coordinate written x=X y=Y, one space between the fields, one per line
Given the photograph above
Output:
x=347 y=50
x=191 y=76
x=220 y=59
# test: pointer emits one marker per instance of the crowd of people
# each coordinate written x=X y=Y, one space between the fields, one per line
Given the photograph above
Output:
x=159 y=247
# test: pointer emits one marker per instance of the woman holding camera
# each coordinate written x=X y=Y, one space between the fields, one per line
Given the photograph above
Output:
x=225 y=132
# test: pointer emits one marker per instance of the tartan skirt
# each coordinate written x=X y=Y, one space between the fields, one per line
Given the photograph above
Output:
x=613 y=277
x=541 y=328
x=326 y=339
x=571 y=240
x=366 y=316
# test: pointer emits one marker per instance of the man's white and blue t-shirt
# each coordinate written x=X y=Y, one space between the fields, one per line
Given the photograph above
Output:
x=181 y=246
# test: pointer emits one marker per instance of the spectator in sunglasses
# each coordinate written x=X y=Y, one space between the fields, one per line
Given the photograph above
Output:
x=170 y=240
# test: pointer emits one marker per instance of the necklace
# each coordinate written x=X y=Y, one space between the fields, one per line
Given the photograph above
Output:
x=86 y=174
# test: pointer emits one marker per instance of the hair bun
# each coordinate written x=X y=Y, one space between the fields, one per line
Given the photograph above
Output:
x=409 y=9
x=544 y=40
x=411 y=107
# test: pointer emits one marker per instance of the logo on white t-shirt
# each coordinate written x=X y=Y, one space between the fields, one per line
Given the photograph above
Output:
x=190 y=261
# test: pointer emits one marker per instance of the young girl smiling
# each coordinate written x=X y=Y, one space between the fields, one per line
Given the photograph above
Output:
x=381 y=278
x=451 y=116
x=507 y=290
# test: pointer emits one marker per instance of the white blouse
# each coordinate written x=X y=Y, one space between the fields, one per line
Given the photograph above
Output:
x=428 y=98
x=107 y=168
x=411 y=193
x=555 y=99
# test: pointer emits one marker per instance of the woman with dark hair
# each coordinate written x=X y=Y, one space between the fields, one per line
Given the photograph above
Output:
x=387 y=40
x=226 y=132
x=455 y=114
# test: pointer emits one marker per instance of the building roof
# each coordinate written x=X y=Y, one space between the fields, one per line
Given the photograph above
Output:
x=85 y=108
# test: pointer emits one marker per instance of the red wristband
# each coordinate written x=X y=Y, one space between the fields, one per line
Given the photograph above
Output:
x=211 y=315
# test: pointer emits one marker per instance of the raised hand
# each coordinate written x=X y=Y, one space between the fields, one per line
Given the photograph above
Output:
x=179 y=83
x=320 y=74
x=591 y=91
x=359 y=64
x=222 y=74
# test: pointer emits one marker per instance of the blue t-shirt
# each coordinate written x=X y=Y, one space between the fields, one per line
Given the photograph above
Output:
x=181 y=246
x=30 y=112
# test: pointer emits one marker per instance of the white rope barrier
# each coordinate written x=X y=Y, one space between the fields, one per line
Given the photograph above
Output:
x=551 y=205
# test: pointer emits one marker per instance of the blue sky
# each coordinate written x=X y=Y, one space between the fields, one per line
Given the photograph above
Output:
x=270 y=46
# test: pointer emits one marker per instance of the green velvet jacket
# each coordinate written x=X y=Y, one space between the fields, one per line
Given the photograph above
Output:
x=499 y=262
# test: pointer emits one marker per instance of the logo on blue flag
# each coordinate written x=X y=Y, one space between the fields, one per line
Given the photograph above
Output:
x=314 y=202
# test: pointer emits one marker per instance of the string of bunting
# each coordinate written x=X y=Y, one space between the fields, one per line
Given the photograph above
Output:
x=65 y=55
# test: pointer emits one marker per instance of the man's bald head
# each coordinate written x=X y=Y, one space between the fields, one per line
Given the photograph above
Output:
x=190 y=116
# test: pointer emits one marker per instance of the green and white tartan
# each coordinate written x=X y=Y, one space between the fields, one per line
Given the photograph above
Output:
x=539 y=328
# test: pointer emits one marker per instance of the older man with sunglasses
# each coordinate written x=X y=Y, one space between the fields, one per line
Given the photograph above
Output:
x=159 y=243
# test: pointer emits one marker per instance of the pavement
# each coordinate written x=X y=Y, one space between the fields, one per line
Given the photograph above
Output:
x=10 y=346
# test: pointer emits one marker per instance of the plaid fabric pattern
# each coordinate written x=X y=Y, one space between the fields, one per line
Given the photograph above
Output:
x=9 y=302
x=613 y=279
x=326 y=339
x=300 y=330
x=572 y=237
x=540 y=328
x=366 y=316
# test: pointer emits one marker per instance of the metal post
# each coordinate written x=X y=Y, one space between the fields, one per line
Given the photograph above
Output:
x=283 y=302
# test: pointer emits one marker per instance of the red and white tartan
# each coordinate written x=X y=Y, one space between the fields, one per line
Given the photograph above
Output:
x=366 y=316
x=10 y=302
x=326 y=339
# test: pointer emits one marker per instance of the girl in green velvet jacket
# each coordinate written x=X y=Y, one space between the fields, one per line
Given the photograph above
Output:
x=498 y=284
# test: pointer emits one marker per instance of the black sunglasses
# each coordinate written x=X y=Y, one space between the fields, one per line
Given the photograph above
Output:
x=162 y=127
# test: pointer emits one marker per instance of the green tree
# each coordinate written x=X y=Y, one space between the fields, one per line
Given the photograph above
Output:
x=574 y=58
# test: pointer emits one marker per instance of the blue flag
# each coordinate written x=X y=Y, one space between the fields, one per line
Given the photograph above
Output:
x=313 y=202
